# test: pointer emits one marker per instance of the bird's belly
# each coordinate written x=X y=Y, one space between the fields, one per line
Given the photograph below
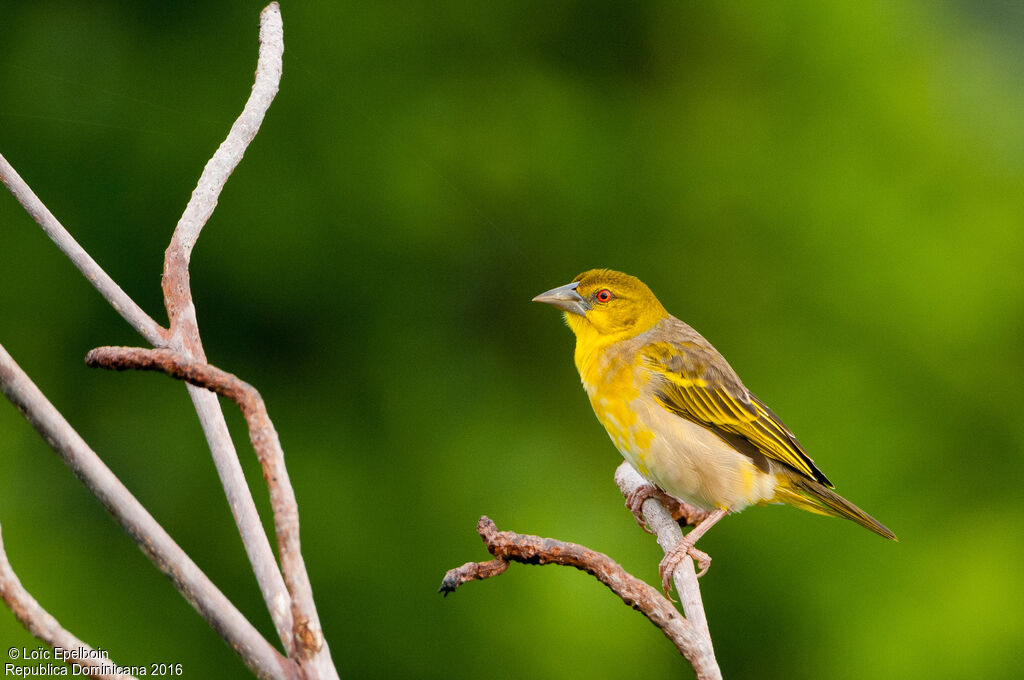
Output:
x=686 y=460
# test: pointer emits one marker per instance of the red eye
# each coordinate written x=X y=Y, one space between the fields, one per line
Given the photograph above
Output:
x=604 y=295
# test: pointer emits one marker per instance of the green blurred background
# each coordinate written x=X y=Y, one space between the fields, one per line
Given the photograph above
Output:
x=833 y=193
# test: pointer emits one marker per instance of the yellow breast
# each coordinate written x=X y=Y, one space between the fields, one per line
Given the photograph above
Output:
x=683 y=458
x=614 y=384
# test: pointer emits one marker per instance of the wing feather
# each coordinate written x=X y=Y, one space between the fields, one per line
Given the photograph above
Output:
x=694 y=381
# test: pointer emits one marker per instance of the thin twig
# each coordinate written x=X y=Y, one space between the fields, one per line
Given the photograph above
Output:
x=41 y=623
x=177 y=290
x=291 y=605
x=185 y=336
x=184 y=329
x=268 y=450
x=111 y=292
x=508 y=546
x=243 y=508
x=151 y=538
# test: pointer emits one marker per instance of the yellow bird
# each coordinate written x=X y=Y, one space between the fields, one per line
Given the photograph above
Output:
x=680 y=415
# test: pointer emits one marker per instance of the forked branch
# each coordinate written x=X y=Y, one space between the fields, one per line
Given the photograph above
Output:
x=690 y=635
x=268 y=450
x=509 y=546
x=183 y=334
x=288 y=596
x=183 y=327
x=151 y=538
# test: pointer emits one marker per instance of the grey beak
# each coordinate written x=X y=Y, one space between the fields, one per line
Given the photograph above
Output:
x=565 y=297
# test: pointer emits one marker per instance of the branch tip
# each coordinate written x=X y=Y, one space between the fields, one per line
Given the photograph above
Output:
x=486 y=527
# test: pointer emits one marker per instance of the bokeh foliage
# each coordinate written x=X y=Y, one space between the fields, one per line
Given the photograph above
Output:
x=833 y=193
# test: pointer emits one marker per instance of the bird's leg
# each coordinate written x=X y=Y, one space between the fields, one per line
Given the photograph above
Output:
x=680 y=510
x=685 y=548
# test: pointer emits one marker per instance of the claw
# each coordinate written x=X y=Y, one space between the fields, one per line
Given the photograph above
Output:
x=673 y=558
x=635 y=501
x=680 y=510
x=667 y=567
x=703 y=561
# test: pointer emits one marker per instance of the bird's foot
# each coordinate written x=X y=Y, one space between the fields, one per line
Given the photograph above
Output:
x=680 y=510
x=672 y=560
x=685 y=549
x=635 y=502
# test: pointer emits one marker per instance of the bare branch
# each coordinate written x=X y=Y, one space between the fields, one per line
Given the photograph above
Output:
x=268 y=450
x=474 y=571
x=507 y=546
x=177 y=291
x=204 y=199
x=288 y=598
x=40 y=623
x=112 y=293
x=151 y=538
x=701 y=654
x=243 y=509
x=290 y=604
x=184 y=329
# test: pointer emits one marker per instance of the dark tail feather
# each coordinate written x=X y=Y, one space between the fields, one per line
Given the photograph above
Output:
x=807 y=494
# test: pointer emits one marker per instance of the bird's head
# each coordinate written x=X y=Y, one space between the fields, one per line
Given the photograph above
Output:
x=606 y=303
